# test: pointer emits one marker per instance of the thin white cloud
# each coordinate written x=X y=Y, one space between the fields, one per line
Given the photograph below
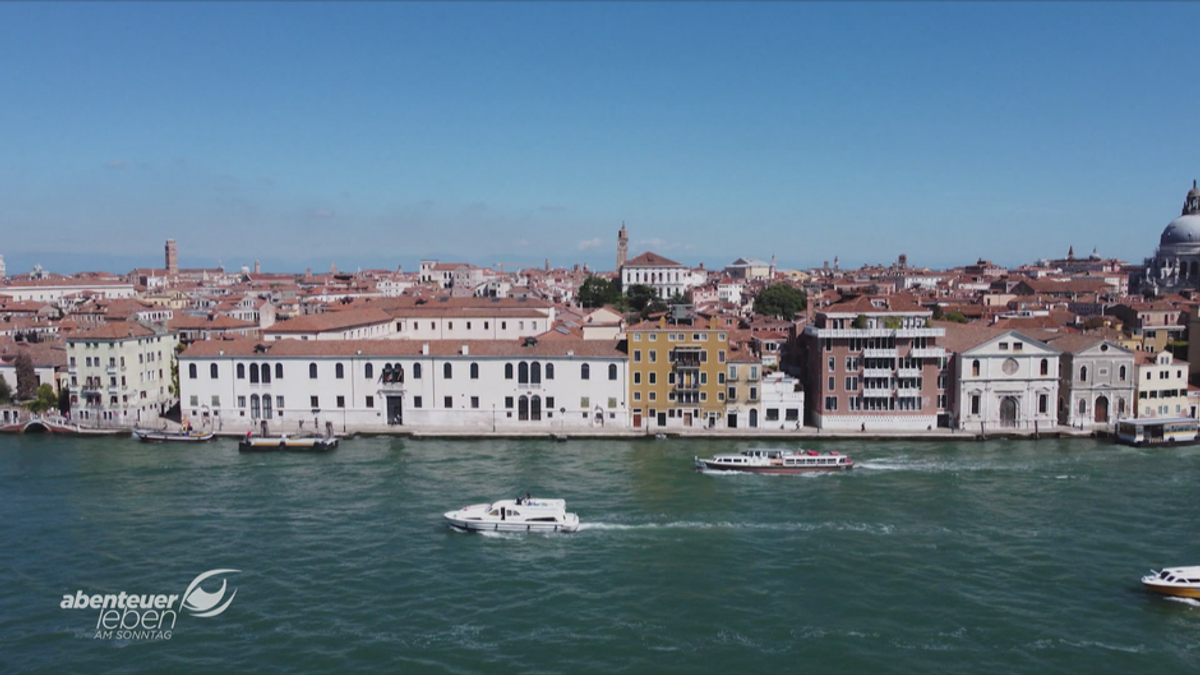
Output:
x=591 y=243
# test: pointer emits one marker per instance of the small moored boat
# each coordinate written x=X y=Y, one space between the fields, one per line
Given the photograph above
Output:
x=287 y=443
x=1181 y=582
x=193 y=436
x=515 y=515
x=775 y=462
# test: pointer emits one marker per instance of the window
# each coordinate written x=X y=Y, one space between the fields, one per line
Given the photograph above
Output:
x=653 y=337
x=637 y=377
x=1045 y=368
x=550 y=403
x=772 y=414
x=637 y=356
x=369 y=372
x=585 y=402
x=535 y=373
x=279 y=405
x=241 y=371
x=265 y=369
x=255 y=407
x=852 y=383
x=975 y=368
x=1122 y=373
x=1043 y=403
x=279 y=371
x=653 y=356
x=341 y=401
x=523 y=409
x=314 y=402
x=1003 y=346
x=416 y=371
x=216 y=401
x=447 y=371
x=508 y=371
x=522 y=373
x=637 y=395
x=195 y=400
x=253 y=373
x=339 y=371
x=720 y=356
x=974 y=404
x=192 y=371
x=612 y=402
x=312 y=371
x=448 y=402
x=474 y=371
x=1083 y=374
x=474 y=399
x=1082 y=406
x=585 y=372
x=612 y=371
x=416 y=401
x=508 y=402
x=653 y=378
x=370 y=401
x=832 y=383
x=241 y=401
x=832 y=363
x=720 y=377
x=549 y=374
x=830 y=403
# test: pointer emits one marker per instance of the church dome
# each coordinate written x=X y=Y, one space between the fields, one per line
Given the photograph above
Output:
x=1186 y=228
x=1182 y=230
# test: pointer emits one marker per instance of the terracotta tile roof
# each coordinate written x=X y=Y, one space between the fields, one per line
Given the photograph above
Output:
x=114 y=330
x=218 y=322
x=331 y=321
x=649 y=259
x=863 y=305
x=398 y=348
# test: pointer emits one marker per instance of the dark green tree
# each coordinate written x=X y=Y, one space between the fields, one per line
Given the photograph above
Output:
x=46 y=399
x=860 y=321
x=597 y=292
x=5 y=391
x=956 y=317
x=26 y=378
x=780 y=300
x=640 y=297
x=64 y=400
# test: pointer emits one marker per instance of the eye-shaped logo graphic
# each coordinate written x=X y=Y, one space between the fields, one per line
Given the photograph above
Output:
x=202 y=603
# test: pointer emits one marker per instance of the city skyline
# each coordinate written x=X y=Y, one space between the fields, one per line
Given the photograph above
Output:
x=377 y=135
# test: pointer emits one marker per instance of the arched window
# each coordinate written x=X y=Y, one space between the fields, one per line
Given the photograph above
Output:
x=312 y=371
x=447 y=371
x=612 y=371
x=585 y=372
x=1121 y=406
x=255 y=410
x=1045 y=366
x=339 y=371
x=369 y=371
x=212 y=371
x=416 y=371
x=975 y=368
x=522 y=373
x=266 y=401
x=279 y=371
x=508 y=371
x=241 y=371
x=523 y=409
x=1082 y=406
x=474 y=371
x=535 y=409
x=253 y=373
x=549 y=371
x=1122 y=376
x=192 y=370
x=535 y=373
x=1083 y=374
x=265 y=369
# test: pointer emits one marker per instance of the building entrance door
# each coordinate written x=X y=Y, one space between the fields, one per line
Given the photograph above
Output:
x=1102 y=410
x=1008 y=412
x=395 y=410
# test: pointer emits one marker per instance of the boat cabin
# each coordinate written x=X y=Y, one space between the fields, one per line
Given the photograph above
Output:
x=1157 y=431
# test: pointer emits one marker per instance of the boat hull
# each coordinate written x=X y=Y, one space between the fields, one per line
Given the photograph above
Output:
x=152 y=437
x=493 y=526
x=776 y=470
x=1172 y=590
x=287 y=445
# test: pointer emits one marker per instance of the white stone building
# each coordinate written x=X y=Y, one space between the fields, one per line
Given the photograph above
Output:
x=1162 y=389
x=1002 y=380
x=538 y=385
x=1097 y=381
x=782 y=402
x=120 y=373
x=665 y=276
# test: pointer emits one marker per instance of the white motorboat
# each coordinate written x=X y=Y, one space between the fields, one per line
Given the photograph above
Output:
x=1181 y=582
x=775 y=461
x=287 y=443
x=515 y=515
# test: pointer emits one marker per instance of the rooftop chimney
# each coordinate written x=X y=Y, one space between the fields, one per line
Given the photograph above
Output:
x=425 y=349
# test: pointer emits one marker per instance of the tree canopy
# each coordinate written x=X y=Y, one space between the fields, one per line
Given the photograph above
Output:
x=780 y=300
x=597 y=292
x=5 y=391
x=46 y=399
x=26 y=377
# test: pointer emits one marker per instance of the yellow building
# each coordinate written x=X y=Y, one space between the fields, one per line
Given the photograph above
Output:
x=677 y=369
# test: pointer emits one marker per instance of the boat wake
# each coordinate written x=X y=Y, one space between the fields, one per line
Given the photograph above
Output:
x=874 y=528
x=1187 y=601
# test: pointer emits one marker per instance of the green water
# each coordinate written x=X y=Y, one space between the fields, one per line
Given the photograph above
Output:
x=955 y=557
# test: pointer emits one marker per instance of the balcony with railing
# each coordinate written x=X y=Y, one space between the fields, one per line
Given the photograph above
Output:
x=908 y=392
x=877 y=372
x=927 y=352
x=889 y=353
x=909 y=372
x=877 y=393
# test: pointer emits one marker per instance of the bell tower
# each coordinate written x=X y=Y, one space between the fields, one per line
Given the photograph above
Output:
x=622 y=247
x=1191 y=205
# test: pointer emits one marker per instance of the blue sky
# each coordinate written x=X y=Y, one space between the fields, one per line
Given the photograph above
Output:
x=376 y=134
